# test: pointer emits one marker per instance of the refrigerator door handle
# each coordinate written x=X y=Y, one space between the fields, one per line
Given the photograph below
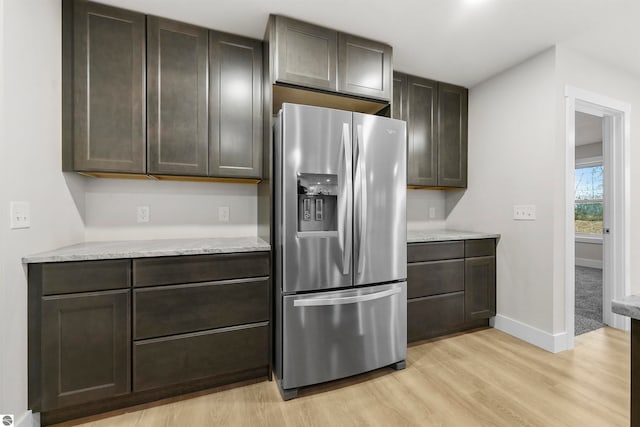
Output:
x=315 y=302
x=344 y=215
x=363 y=197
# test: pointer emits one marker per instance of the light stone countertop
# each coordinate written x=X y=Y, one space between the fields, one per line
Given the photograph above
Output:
x=149 y=248
x=419 y=236
x=627 y=306
x=174 y=247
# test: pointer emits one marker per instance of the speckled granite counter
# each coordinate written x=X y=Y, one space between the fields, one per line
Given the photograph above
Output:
x=627 y=306
x=149 y=248
x=441 y=235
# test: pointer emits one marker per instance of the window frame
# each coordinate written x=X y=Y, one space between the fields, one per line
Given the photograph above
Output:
x=580 y=164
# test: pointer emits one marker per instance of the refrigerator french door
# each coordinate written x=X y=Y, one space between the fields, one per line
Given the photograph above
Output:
x=340 y=224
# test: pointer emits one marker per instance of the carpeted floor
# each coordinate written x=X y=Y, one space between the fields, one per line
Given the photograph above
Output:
x=588 y=299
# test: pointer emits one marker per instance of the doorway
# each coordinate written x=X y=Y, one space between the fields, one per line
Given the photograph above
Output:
x=614 y=116
x=590 y=203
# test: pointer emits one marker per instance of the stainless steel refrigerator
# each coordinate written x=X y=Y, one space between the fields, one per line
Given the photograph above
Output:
x=341 y=250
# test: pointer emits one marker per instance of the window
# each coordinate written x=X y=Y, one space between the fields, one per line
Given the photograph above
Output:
x=588 y=199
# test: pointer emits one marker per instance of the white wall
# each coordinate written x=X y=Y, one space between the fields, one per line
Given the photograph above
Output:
x=31 y=171
x=512 y=161
x=578 y=70
x=418 y=204
x=177 y=209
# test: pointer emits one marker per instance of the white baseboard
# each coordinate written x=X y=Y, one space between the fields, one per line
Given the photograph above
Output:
x=550 y=342
x=586 y=262
x=28 y=419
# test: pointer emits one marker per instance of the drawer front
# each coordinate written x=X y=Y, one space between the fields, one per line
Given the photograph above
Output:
x=84 y=276
x=173 y=360
x=199 y=268
x=435 y=277
x=432 y=316
x=170 y=310
x=435 y=251
x=480 y=247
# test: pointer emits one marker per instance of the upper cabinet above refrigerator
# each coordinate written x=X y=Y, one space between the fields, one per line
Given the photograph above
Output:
x=306 y=56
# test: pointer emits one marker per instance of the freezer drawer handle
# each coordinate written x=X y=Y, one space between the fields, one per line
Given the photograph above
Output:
x=313 y=302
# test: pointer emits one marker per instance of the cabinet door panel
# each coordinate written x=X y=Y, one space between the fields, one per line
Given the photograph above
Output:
x=109 y=89
x=364 y=67
x=236 y=106
x=85 y=347
x=452 y=136
x=422 y=147
x=399 y=103
x=306 y=54
x=480 y=288
x=177 y=59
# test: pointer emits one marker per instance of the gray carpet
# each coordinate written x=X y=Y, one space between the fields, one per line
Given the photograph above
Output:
x=588 y=299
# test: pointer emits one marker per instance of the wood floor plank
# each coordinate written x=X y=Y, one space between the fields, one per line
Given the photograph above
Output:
x=483 y=378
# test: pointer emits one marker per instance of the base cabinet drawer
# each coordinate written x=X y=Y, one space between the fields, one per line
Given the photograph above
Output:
x=432 y=316
x=172 y=360
x=436 y=277
x=170 y=310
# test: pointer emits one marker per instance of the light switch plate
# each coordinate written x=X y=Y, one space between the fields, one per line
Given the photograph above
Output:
x=524 y=212
x=20 y=214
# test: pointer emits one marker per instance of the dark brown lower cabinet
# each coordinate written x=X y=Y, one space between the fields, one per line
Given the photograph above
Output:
x=480 y=287
x=451 y=287
x=86 y=339
x=108 y=334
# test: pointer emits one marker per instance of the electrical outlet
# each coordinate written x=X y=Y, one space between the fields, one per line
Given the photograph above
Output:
x=143 y=214
x=432 y=213
x=223 y=214
x=524 y=212
x=20 y=215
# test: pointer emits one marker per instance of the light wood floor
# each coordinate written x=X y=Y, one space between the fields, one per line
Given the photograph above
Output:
x=483 y=378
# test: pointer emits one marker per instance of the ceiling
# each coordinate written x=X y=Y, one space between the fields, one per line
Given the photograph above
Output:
x=457 y=41
x=588 y=128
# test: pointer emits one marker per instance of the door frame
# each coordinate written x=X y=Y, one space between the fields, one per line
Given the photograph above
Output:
x=616 y=246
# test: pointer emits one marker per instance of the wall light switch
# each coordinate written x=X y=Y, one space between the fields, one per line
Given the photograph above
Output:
x=524 y=212
x=20 y=214
x=432 y=213
x=223 y=214
x=142 y=214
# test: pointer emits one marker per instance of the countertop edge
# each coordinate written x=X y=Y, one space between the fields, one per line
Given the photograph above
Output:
x=628 y=306
x=447 y=235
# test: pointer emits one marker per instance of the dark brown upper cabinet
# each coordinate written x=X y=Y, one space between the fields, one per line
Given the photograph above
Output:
x=235 y=121
x=364 y=67
x=399 y=101
x=309 y=56
x=452 y=135
x=306 y=54
x=436 y=115
x=104 y=62
x=177 y=61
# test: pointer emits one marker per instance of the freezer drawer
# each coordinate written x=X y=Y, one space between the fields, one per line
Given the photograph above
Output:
x=336 y=334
